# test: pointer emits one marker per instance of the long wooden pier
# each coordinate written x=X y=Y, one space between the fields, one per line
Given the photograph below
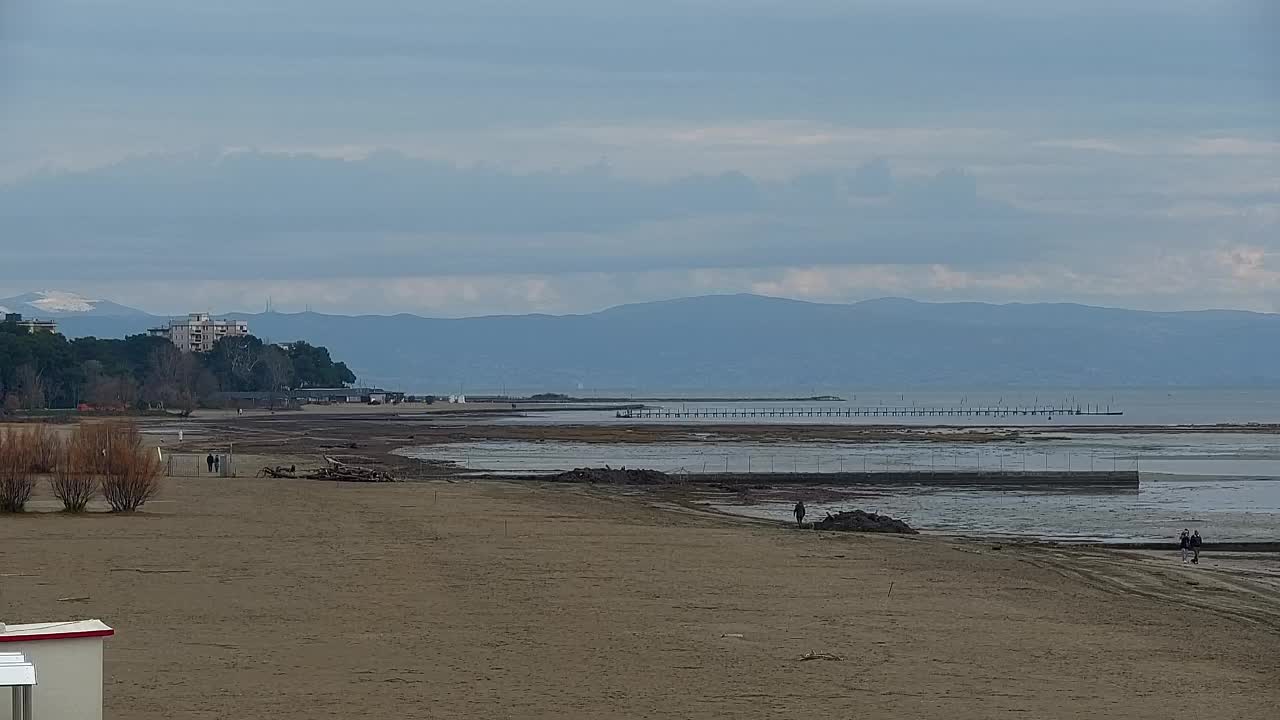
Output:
x=999 y=411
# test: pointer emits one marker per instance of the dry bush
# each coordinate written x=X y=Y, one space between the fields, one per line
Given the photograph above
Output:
x=75 y=479
x=130 y=472
x=46 y=449
x=16 y=479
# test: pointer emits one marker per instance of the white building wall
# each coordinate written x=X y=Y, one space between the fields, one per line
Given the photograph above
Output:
x=199 y=332
x=68 y=678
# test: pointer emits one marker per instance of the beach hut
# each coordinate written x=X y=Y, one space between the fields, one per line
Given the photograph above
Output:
x=19 y=675
x=66 y=659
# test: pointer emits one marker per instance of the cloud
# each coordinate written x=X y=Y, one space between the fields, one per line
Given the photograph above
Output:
x=495 y=155
x=430 y=234
x=1251 y=266
x=1231 y=277
x=259 y=214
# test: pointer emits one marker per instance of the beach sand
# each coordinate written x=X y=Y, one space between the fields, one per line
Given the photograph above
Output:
x=302 y=599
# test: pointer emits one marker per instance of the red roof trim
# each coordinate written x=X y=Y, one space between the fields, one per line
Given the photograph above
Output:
x=57 y=635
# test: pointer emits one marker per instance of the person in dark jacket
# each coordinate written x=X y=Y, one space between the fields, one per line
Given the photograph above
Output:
x=799 y=512
x=1195 y=547
x=1184 y=543
x=209 y=461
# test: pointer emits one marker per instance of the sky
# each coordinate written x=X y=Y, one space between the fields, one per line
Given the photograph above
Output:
x=491 y=156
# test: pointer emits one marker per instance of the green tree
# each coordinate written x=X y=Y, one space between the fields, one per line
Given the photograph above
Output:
x=312 y=367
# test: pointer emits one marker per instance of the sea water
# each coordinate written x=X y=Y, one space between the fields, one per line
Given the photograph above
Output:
x=1227 y=484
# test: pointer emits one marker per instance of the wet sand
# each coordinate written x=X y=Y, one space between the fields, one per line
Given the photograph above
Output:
x=301 y=599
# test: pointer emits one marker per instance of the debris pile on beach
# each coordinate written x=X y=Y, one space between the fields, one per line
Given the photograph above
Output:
x=859 y=521
x=335 y=470
x=612 y=476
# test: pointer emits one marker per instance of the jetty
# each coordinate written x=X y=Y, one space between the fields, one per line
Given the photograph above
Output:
x=1062 y=480
x=1079 y=480
x=998 y=411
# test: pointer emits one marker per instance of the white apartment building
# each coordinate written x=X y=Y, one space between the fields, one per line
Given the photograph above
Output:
x=31 y=326
x=198 y=332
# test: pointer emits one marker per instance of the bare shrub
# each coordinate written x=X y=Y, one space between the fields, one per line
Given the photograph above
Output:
x=130 y=472
x=46 y=449
x=75 y=479
x=16 y=479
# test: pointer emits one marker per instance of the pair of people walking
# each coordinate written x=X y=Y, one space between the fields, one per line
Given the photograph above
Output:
x=1189 y=545
x=214 y=462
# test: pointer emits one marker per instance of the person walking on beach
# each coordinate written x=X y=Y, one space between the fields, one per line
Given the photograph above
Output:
x=1184 y=543
x=209 y=461
x=217 y=464
x=1195 y=547
x=799 y=512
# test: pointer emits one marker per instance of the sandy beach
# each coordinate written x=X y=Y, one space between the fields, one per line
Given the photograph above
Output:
x=302 y=599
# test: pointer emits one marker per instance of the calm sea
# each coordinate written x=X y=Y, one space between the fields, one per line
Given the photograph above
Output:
x=1225 y=483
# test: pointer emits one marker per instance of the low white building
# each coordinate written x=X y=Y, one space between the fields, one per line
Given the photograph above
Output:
x=67 y=660
x=198 y=332
x=31 y=326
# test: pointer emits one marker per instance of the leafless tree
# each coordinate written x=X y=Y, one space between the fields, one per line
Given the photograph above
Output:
x=131 y=471
x=242 y=358
x=16 y=477
x=276 y=370
x=30 y=387
x=112 y=391
x=176 y=380
x=45 y=448
x=75 y=480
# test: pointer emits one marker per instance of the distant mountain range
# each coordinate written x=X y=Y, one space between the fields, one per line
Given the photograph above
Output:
x=58 y=303
x=753 y=343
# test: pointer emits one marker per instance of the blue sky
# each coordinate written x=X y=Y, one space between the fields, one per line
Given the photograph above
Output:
x=455 y=158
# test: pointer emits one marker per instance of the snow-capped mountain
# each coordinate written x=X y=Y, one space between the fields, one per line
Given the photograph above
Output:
x=59 y=303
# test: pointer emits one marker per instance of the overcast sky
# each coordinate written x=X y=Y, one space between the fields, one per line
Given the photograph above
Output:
x=457 y=158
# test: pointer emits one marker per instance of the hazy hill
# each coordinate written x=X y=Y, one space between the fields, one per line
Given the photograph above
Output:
x=58 y=304
x=752 y=342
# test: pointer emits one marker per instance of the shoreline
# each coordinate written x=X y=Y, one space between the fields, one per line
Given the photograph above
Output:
x=566 y=600
x=377 y=440
x=380 y=440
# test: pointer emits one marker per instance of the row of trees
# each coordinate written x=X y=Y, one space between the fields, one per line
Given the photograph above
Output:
x=97 y=458
x=40 y=370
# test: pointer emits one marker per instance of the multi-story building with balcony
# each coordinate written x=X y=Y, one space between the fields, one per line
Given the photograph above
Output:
x=198 y=332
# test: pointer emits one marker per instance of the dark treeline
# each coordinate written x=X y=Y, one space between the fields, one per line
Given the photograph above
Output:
x=46 y=370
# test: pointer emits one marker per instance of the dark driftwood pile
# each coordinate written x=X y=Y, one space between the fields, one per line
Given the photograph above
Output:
x=859 y=521
x=335 y=470
x=619 y=476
